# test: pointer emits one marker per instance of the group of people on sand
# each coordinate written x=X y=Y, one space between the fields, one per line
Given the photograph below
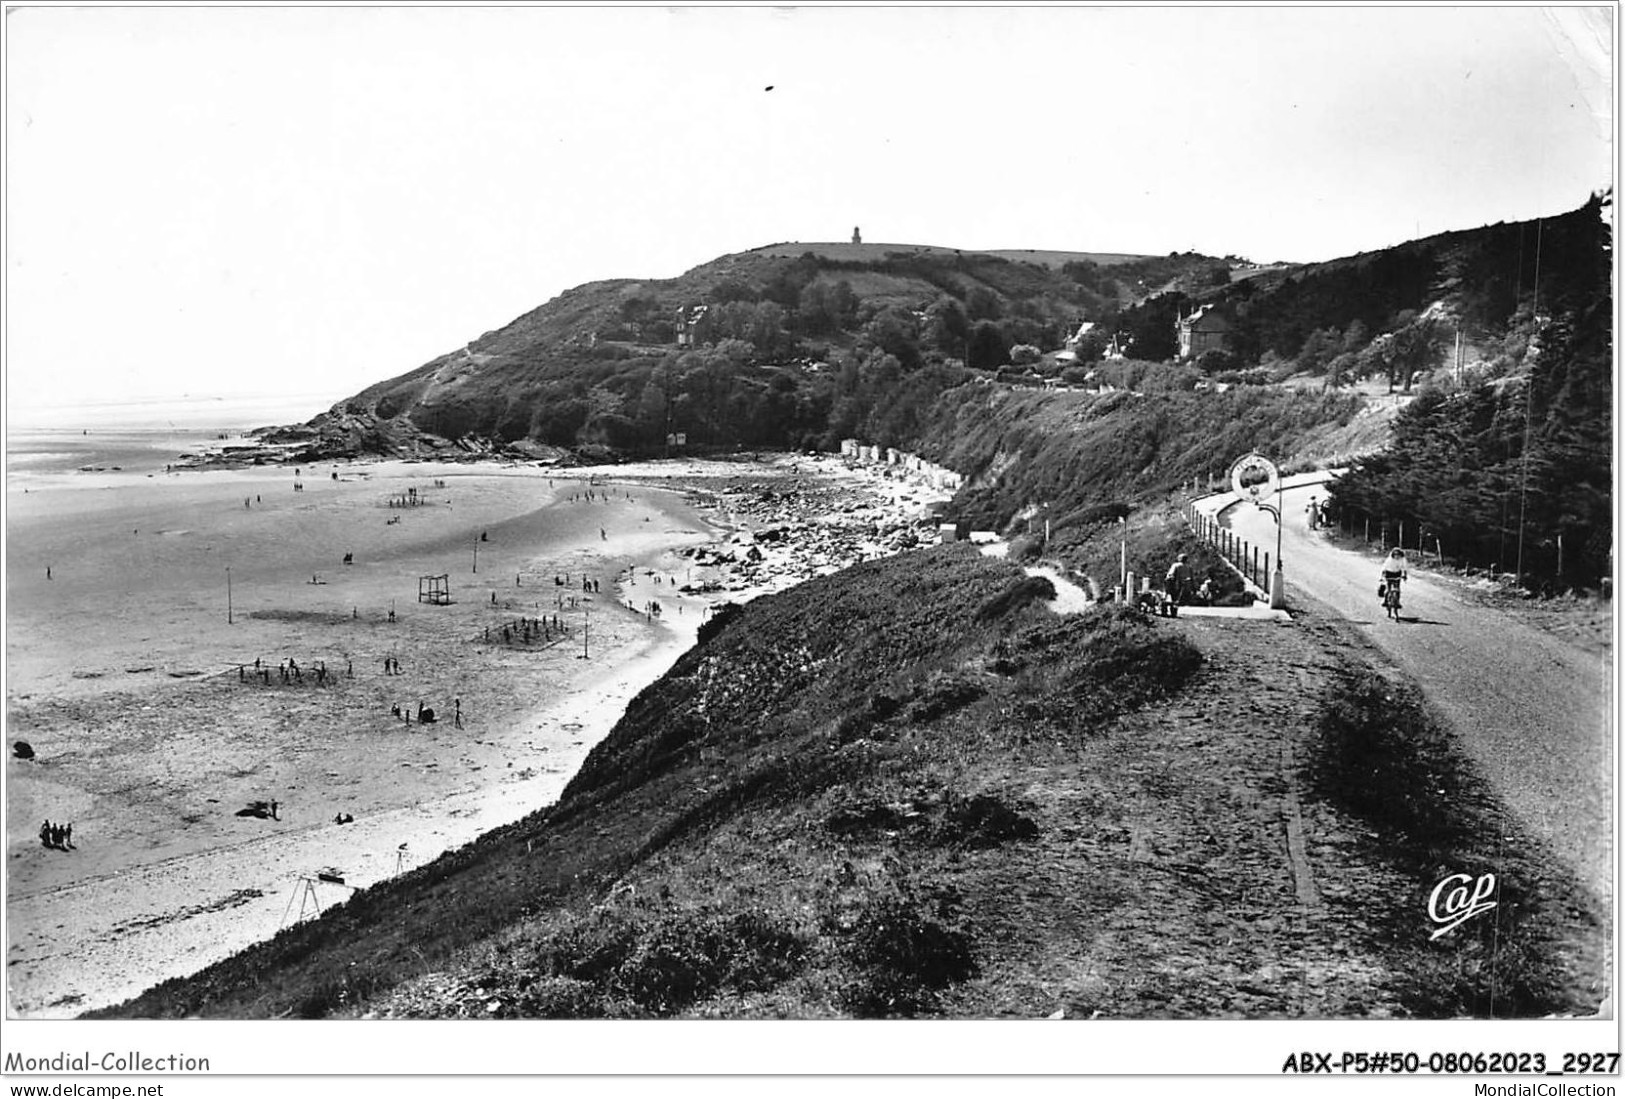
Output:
x=426 y=714
x=58 y=836
x=529 y=629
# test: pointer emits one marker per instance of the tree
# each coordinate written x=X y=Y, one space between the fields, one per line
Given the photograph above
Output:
x=1091 y=346
x=1412 y=348
x=946 y=327
x=988 y=347
x=895 y=331
x=1151 y=327
x=1355 y=336
x=982 y=304
x=1319 y=349
x=821 y=308
x=766 y=329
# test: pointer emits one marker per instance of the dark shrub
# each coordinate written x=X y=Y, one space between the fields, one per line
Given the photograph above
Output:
x=1018 y=594
x=905 y=954
x=984 y=821
x=721 y=615
x=943 y=694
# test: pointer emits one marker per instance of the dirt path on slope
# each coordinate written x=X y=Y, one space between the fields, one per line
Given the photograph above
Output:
x=1533 y=711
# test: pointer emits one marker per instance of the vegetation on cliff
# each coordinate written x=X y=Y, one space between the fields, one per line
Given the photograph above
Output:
x=933 y=351
x=1515 y=473
x=911 y=789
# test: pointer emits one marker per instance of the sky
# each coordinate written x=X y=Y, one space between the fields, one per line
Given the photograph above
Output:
x=223 y=201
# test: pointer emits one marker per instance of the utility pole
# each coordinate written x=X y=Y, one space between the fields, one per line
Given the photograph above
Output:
x=228 y=595
x=476 y=553
x=586 y=625
x=1529 y=402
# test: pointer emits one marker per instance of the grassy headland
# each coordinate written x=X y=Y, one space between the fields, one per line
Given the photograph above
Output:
x=913 y=790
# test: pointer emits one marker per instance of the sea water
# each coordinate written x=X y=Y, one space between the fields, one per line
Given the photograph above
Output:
x=141 y=434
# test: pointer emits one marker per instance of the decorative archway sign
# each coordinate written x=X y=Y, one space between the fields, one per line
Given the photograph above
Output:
x=1254 y=478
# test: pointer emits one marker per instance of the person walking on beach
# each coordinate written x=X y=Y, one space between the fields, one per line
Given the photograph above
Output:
x=47 y=572
x=67 y=836
x=45 y=833
x=457 y=712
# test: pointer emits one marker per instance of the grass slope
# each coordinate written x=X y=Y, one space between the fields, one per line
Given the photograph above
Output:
x=912 y=790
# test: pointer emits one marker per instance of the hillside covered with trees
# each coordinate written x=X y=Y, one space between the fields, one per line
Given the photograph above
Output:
x=1506 y=329
x=1514 y=472
x=757 y=349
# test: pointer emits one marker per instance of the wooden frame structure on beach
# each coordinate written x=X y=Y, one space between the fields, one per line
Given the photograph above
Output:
x=435 y=589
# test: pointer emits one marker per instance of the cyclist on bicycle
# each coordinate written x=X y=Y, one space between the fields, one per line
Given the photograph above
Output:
x=1393 y=572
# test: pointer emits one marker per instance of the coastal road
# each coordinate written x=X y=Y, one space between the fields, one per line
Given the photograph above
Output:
x=1532 y=709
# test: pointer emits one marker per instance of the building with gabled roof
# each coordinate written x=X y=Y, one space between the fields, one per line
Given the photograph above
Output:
x=1204 y=330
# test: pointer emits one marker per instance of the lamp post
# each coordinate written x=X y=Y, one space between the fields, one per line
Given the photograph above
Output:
x=1250 y=474
x=1278 y=580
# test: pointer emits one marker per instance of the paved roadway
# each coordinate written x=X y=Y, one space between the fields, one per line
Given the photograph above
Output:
x=1532 y=710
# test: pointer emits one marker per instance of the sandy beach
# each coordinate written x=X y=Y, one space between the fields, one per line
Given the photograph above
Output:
x=131 y=674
